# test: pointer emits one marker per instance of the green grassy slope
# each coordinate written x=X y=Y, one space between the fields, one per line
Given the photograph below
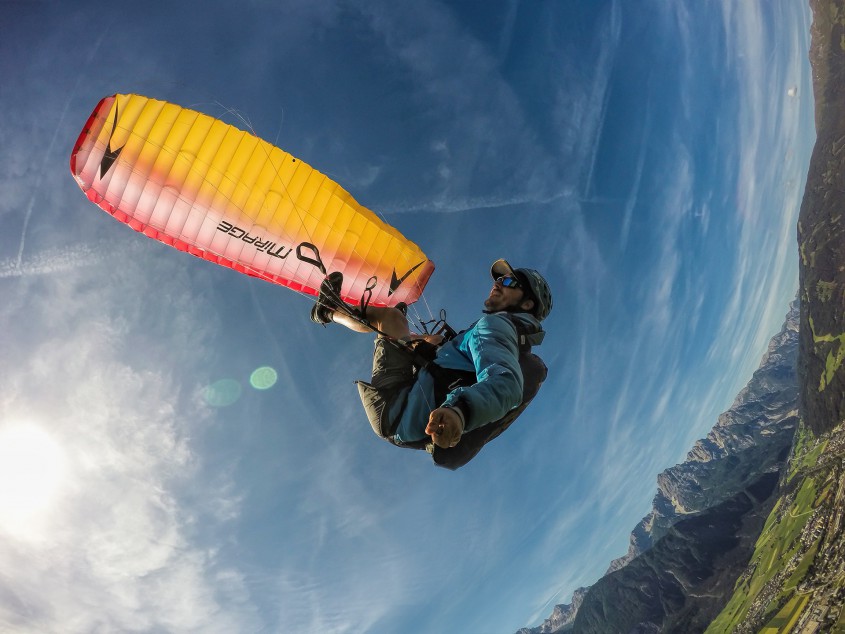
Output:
x=799 y=561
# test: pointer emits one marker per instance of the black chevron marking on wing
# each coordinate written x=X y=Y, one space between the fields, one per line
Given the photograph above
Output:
x=110 y=155
x=395 y=282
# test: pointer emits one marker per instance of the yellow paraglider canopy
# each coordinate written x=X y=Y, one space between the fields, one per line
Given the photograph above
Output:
x=206 y=187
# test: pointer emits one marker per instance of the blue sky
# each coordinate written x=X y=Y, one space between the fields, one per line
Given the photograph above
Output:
x=651 y=162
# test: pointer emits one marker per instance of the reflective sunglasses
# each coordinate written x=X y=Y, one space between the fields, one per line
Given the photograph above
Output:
x=508 y=282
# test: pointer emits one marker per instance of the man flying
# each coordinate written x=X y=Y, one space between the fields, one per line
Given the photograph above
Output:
x=466 y=383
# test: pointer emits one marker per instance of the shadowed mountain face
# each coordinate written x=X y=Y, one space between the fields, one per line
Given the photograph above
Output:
x=821 y=230
x=750 y=439
x=682 y=583
x=686 y=555
x=688 y=552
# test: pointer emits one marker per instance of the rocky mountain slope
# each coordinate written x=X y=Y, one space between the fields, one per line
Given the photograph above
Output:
x=562 y=616
x=750 y=439
x=686 y=554
x=821 y=230
x=681 y=584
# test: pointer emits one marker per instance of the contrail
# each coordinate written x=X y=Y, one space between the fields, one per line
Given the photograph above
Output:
x=31 y=206
x=473 y=204
x=54 y=261
x=43 y=170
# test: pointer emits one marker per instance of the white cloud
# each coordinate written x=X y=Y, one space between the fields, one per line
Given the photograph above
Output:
x=117 y=535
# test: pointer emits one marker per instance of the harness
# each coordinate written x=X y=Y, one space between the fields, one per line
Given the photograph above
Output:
x=378 y=402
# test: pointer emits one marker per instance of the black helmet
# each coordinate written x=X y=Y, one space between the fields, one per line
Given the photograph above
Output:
x=535 y=286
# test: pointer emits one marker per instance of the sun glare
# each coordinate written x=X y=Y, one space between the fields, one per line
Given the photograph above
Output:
x=31 y=470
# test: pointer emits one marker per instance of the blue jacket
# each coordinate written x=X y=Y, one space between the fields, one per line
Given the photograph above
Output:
x=489 y=348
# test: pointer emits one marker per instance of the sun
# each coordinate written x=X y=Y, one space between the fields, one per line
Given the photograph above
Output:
x=32 y=466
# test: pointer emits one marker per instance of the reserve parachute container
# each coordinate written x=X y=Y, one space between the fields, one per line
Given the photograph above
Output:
x=222 y=194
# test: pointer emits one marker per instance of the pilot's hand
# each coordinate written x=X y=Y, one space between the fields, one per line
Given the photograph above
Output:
x=445 y=427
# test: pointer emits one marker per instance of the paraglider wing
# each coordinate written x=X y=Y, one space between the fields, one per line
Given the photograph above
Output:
x=206 y=187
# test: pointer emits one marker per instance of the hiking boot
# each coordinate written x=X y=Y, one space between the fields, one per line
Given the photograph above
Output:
x=328 y=299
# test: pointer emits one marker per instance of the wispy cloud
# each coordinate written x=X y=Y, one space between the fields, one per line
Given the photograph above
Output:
x=585 y=117
x=633 y=196
x=673 y=208
x=479 y=170
x=766 y=258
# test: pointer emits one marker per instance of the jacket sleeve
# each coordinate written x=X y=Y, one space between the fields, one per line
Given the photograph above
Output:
x=492 y=347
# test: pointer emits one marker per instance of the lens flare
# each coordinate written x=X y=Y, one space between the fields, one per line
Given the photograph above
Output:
x=263 y=378
x=222 y=393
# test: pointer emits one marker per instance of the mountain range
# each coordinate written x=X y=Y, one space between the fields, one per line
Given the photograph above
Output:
x=685 y=555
